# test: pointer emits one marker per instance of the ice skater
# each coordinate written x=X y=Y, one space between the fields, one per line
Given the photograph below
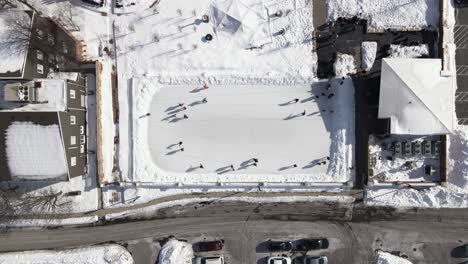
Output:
x=147 y=114
x=331 y=95
x=295 y=100
x=205 y=86
x=180 y=143
x=253 y=160
x=204 y=100
x=201 y=166
x=232 y=167
x=180 y=104
x=303 y=113
x=185 y=116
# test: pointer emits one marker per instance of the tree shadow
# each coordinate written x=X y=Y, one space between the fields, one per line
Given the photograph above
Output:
x=262 y=247
x=459 y=252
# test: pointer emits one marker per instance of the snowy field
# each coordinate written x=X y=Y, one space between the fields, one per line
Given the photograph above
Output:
x=102 y=254
x=383 y=14
x=237 y=123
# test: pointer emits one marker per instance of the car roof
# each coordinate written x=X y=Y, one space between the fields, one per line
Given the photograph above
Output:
x=214 y=260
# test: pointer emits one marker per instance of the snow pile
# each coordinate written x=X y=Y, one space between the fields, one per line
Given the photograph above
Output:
x=176 y=252
x=103 y=254
x=368 y=54
x=383 y=14
x=400 y=51
x=13 y=55
x=388 y=258
x=35 y=151
x=344 y=65
x=454 y=195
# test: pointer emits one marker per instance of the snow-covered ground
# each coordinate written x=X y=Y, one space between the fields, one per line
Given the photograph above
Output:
x=388 y=258
x=453 y=195
x=103 y=254
x=384 y=14
x=344 y=65
x=238 y=123
x=400 y=51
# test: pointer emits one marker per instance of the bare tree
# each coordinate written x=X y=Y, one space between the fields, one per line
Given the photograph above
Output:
x=65 y=15
x=13 y=203
x=16 y=38
x=5 y=4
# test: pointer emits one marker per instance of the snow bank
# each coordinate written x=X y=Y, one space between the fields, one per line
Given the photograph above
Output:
x=454 y=195
x=344 y=65
x=383 y=14
x=400 y=51
x=368 y=54
x=35 y=151
x=103 y=254
x=388 y=258
x=40 y=223
x=176 y=252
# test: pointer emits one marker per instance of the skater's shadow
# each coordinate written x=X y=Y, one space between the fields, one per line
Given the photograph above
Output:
x=312 y=164
x=196 y=90
x=168 y=117
x=287 y=167
x=199 y=102
x=171 y=108
x=224 y=169
x=287 y=103
x=191 y=169
x=172 y=152
x=172 y=145
x=313 y=97
x=244 y=167
x=314 y=113
x=290 y=116
x=176 y=119
x=176 y=111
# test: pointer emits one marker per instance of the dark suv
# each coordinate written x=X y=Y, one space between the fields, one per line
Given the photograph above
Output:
x=313 y=244
x=276 y=246
x=206 y=246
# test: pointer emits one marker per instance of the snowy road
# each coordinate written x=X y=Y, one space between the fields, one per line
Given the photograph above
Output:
x=416 y=234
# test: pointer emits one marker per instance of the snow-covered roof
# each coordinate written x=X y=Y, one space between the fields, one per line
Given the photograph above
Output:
x=13 y=52
x=35 y=151
x=416 y=98
x=72 y=76
x=51 y=97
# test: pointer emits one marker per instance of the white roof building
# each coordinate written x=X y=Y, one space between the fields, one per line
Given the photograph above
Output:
x=416 y=97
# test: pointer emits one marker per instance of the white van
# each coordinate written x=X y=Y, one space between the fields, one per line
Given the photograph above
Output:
x=210 y=260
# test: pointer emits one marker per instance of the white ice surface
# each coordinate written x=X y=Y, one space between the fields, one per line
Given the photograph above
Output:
x=103 y=254
x=388 y=258
x=35 y=151
x=176 y=252
x=383 y=14
x=400 y=51
x=344 y=65
x=51 y=222
x=368 y=54
x=240 y=122
x=12 y=57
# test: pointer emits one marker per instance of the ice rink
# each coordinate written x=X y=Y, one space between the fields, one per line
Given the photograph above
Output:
x=228 y=125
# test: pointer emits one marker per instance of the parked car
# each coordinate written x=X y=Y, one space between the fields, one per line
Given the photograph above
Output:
x=279 y=260
x=276 y=246
x=98 y=3
x=315 y=260
x=313 y=244
x=205 y=246
x=210 y=260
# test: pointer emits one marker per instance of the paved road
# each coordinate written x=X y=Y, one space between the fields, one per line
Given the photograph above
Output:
x=461 y=41
x=426 y=236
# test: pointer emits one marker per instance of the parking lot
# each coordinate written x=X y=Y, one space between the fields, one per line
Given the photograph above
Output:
x=461 y=41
